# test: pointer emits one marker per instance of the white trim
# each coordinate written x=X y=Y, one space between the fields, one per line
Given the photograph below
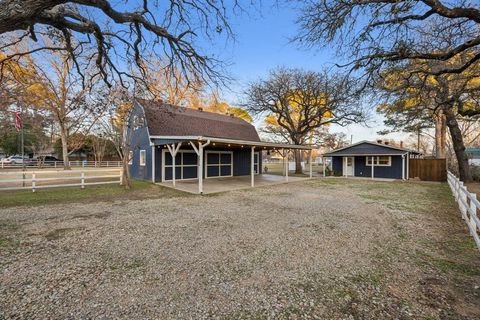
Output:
x=257 y=162
x=219 y=163
x=153 y=164
x=237 y=142
x=144 y=158
x=181 y=165
x=378 y=164
x=252 y=166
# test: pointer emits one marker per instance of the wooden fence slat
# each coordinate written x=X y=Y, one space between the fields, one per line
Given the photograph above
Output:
x=428 y=169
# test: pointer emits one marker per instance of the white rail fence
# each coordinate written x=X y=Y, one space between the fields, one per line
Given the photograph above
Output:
x=33 y=180
x=468 y=204
x=59 y=164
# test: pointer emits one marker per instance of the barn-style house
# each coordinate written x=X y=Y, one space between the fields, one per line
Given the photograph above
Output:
x=372 y=160
x=171 y=144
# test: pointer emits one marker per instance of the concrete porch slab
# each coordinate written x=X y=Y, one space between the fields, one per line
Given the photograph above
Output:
x=214 y=185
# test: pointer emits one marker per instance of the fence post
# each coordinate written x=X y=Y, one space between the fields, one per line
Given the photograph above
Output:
x=121 y=176
x=33 y=182
x=82 y=176
x=107 y=163
x=55 y=164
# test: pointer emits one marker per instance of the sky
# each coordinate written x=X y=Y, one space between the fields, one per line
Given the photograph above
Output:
x=262 y=42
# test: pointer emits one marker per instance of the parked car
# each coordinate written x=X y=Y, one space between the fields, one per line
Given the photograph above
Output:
x=16 y=160
x=47 y=160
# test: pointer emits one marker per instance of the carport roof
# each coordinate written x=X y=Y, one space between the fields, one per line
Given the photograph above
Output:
x=162 y=140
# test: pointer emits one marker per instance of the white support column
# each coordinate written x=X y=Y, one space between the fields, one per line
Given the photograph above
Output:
x=310 y=162
x=153 y=164
x=199 y=152
x=403 y=167
x=282 y=153
x=408 y=165
x=288 y=165
x=173 y=149
x=252 y=168
x=373 y=168
x=323 y=165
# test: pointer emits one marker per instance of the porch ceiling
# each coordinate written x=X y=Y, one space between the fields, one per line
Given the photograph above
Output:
x=219 y=142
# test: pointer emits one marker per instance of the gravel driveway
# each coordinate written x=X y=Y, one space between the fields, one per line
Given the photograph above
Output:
x=320 y=249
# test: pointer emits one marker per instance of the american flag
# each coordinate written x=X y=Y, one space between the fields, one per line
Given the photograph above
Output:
x=18 y=120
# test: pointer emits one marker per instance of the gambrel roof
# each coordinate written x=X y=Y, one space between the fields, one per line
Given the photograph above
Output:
x=164 y=119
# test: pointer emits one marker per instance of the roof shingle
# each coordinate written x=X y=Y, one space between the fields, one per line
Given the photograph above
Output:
x=169 y=120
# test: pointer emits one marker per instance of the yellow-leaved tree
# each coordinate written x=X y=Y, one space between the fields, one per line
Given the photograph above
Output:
x=417 y=99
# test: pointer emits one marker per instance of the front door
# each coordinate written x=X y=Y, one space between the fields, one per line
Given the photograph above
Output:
x=349 y=166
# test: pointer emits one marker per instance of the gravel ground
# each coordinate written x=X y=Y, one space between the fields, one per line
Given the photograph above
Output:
x=320 y=249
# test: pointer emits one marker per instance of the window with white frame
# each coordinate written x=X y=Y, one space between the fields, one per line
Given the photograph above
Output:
x=143 y=157
x=380 y=161
x=219 y=164
x=130 y=157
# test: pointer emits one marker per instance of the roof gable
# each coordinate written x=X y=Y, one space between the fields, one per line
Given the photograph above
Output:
x=368 y=148
x=168 y=120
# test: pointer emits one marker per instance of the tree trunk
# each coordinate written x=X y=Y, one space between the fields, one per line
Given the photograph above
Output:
x=440 y=135
x=298 y=162
x=126 y=183
x=458 y=146
x=64 y=139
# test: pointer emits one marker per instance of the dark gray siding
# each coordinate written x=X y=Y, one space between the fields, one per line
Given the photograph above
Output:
x=140 y=141
x=241 y=164
x=337 y=165
x=362 y=170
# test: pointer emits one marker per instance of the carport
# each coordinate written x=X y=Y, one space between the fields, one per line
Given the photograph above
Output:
x=202 y=183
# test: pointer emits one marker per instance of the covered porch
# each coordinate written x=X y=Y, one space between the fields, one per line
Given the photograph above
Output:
x=228 y=176
x=230 y=183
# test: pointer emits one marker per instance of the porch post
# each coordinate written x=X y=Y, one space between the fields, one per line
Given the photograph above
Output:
x=200 y=168
x=310 y=162
x=323 y=165
x=283 y=162
x=373 y=167
x=344 y=166
x=252 y=168
x=408 y=165
x=153 y=164
x=403 y=167
x=173 y=152
x=288 y=165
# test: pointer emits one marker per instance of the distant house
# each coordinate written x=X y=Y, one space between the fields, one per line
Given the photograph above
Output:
x=372 y=160
x=204 y=144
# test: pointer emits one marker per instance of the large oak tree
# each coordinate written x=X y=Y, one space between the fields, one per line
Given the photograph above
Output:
x=297 y=102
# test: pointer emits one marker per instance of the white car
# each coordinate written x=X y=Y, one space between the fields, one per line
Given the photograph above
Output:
x=474 y=162
x=15 y=160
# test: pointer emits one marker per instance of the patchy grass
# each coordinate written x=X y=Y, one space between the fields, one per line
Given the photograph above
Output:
x=8 y=230
x=140 y=190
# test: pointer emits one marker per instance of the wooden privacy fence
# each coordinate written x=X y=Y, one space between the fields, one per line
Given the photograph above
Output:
x=32 y=180
x=468 y=204
x=427 y=169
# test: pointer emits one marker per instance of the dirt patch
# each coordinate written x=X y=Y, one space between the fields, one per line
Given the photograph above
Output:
x=327 y=248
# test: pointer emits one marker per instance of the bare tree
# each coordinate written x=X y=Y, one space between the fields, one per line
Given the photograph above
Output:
x=373 y=34
x=75 y=109
x=110 y=35
x=296 y=102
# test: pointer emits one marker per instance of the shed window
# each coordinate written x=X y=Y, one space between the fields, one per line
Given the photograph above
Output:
x=380 y=161
x=142 y=157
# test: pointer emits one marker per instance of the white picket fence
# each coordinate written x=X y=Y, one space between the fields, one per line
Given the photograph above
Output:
x=468 y=204
x=59 y=164
x=41 y=179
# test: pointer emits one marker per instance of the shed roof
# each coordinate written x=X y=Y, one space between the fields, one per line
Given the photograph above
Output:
x=164 y=119
x=369 y=148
